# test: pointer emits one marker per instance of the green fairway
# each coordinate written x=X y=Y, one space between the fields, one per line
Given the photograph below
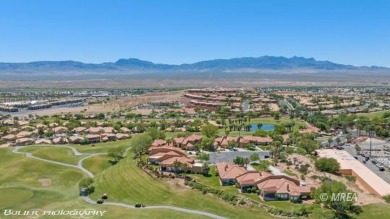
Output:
x=64 y=155
x=124 y=182
x=101 y=147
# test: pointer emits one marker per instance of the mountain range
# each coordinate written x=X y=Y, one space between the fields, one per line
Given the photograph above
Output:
x=132 y=65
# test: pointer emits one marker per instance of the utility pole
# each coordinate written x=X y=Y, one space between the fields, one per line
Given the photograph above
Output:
x=370 y=133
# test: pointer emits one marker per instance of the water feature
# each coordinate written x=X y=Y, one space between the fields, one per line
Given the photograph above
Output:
x=265 y=127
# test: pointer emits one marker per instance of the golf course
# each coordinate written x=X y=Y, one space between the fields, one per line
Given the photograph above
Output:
x=47 y=177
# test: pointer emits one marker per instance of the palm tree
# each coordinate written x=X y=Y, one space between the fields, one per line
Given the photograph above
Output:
x=176 y=165
x=239 y=129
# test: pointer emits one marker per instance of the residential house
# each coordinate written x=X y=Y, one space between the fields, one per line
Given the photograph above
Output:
x=124 y=130
x=79 y=130
x=93 y=138
x=60 y=140
x=8 y=138
x=121 y=136
x=42 y=141
x=24 y=141
x=223 y=142
x=250 y=179
x=95 y=130
x=255 y=140
x=60 y=130
x=187 y=143
x=76 y=139
x=283 y=188
x=228 y=172
x=24 y=134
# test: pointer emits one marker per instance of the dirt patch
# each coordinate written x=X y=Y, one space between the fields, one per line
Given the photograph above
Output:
x=363 y=196
x=45 y=182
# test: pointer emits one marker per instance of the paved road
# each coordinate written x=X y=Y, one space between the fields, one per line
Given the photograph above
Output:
x=89 y=200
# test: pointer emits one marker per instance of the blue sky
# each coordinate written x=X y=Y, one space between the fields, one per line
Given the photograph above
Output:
x=184 y=31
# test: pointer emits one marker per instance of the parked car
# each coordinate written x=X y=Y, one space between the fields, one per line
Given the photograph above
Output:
x=100 y=201
x=373 y=162
x=381 y=168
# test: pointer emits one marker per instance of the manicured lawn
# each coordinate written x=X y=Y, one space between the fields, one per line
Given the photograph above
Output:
x=64 y=155
x=374 y=114
x=97 y=164
x=213 y=181
x=377 y=211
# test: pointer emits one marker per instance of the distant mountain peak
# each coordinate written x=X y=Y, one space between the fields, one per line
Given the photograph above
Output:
x=217 y=65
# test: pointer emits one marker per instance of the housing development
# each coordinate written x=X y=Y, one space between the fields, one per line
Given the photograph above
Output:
x=271 y=150
x=196 y=109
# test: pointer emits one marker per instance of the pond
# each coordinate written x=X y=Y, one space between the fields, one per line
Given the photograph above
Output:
x=265 y=127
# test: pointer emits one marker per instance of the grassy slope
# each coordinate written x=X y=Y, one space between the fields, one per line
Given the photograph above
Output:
x=127 y=183
x=123 y=182
x=22 y=190
x=97 y=164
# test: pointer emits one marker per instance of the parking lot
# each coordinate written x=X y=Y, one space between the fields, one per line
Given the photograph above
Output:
x=228 y=156
x=385 y=175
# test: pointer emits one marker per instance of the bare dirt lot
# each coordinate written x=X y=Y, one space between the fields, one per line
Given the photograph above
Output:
x=113 y=105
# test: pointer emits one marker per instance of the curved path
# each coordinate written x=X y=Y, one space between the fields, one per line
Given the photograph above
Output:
x=89 y=200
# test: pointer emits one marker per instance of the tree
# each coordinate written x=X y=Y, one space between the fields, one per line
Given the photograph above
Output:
x=203 y=156
x=176 y=165
x=254 y=157
x=232 y=144
x=140 y=143
x=209 y=130
x=207 y=143
x=358 y=148
x=329 y=165
x=328 y=194
x=338 y=140
x=239 y=161
x=88 y=184
x=100 y=116
x=116 y=153
x=206 y=169
x=156 y=134
x=246 y=161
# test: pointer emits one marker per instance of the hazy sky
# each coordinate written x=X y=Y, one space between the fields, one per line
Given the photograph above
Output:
x=183 y=31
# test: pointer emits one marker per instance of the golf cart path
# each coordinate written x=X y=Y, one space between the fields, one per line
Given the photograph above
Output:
x=89 y=200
